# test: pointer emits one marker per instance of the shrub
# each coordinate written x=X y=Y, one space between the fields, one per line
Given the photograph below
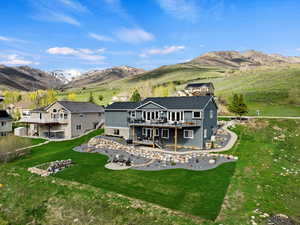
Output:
x=11 y=144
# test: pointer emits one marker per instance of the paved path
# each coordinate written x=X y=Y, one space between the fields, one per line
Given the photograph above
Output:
x=265 y=117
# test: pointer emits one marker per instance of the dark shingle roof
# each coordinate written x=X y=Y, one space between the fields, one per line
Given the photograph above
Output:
x=123 y=105
x=4 y=115
x=185 y=102
x=196 y=85
x=81 y=107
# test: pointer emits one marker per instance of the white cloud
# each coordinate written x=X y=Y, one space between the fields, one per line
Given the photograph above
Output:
x=62 y=51
x=74 y=5
x=182 y=9
x=15 y=59
x=99 y=37
x=117 y=7
x=164 y=51
x=134 y=36
x=57 y=10
x=85 y=54
x=63 y=18
x=5 y=38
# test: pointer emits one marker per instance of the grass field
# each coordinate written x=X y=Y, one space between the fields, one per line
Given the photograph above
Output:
x=266 y=178
x=197 y=193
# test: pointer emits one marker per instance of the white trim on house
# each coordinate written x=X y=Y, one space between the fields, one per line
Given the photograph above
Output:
x=205 y=133
x=201 y=114
x=152 y=103
x=188 y=137
x=131 y=116
x=162 y=132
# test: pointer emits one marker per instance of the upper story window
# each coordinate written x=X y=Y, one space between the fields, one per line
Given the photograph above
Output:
x=133 y=114
x=211 y=114
x=3 y=124
x=188 y=134
x=54 y=110
x=78 y=127
x=196 y=114
x=65 y=116
x=175 y=116
x=81 y=115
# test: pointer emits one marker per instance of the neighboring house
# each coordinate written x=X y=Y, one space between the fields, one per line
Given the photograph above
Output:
x=5 y=123
x=187 y=122
x=63 y=119
x=198 y=89
x=22 y=108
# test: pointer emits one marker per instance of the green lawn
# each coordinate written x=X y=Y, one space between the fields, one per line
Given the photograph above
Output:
x=197 y=193
x=259 y=182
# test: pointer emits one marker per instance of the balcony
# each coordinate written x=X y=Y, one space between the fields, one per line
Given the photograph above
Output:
x=163 y=122
x=43 y=120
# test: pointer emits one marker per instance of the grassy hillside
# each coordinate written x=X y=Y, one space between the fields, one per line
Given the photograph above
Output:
x=273 y=91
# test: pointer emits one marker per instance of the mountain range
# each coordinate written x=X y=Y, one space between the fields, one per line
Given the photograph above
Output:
x=26 y=78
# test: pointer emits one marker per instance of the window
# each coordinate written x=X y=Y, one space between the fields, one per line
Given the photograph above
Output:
x=78 y=127
x=205 y=133
x=188 y=134
x=41 y=116
x=81 y=115
x=133 y=114
x=156 y=132
x=3 y=124
x=143 y=131
x=197 y=114
x=175 y=116
x=99 y=114
x=65 y=116
x=116 y=132
x=211 y=114
x=54 y=110
x=165 y=133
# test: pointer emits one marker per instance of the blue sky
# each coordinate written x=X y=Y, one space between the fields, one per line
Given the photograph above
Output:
x=88 y=34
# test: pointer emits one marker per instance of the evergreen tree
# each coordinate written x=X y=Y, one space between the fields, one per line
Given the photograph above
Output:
x=135 y=97
x=91 y=98
x=100 y=97
x=237 y=105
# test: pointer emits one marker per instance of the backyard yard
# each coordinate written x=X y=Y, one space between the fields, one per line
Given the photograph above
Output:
x=262 y=183
x=197 y=193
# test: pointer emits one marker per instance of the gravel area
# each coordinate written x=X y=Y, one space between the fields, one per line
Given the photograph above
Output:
x=198 y=163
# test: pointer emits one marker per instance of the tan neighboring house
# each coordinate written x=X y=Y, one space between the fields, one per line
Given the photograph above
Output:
x=5 y=123
x=197 y=89
x=63 y=120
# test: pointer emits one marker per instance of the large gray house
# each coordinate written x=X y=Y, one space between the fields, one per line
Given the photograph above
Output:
x=62 y=119
x=179 y=122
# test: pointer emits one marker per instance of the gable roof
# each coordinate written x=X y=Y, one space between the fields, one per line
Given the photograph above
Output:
x=75 y=107
x=197 y=85
x=184 y=102
x=81 y=107
x=123 y=105
x=4 y=115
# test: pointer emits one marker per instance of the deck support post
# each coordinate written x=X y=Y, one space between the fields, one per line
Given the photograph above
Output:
x=133 y=135
x=175 y=136
x=153 y=137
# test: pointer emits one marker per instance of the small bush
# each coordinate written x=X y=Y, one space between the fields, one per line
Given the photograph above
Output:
x=9 y=145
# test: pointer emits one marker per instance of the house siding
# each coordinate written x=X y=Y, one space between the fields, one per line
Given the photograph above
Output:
x=210 y=124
